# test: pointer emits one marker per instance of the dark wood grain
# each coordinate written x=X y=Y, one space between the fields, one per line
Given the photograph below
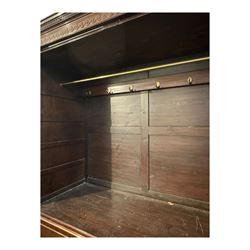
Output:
x=179 y=165
x=48 y=232
x=114 y=157
x=60 y=109
x=119 y=110
x=52 y=181
x=62 y=131
x=169 y=81
x=149 y=147
x=104 y=212
x=51 y=227
x=62 y=134
x=184 y=106
x=57 y=153
x=50 y=86
x=61 y=190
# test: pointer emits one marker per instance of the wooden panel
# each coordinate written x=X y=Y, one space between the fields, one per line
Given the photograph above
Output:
x=53 y=154
x=184 y=106
x=179 y=165
x=61 y=131
x=119 y=110
x=61 y=109
x=53 y=181
x=107 y=212
x=50 y=84
x=114 y=157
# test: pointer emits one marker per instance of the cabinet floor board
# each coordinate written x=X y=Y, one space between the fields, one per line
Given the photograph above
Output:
x=107 y=212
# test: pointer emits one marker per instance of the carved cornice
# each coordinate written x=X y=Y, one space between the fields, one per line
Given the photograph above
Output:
x=84 y=22
x=57 y=19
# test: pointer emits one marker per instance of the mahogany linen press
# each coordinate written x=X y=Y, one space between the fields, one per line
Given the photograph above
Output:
x=125 y=125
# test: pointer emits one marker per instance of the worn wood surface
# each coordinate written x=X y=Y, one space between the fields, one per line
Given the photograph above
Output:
x=51 y=227
x=181 y=200
x=56 y=178
x=160 y=137
x=154 y=143
x=114 y=138
x=56 y=153
x=117 y=111
x=184 y=106
x=179 y=142
x=63 y=135
x=104 y=212
x=62 y=131
x=114 y=157
x=179 y=165
x=61 y=109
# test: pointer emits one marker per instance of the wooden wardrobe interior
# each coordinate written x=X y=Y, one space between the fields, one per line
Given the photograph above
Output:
x=126 y=154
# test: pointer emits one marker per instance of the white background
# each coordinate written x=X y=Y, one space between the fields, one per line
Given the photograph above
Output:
x=20 y=124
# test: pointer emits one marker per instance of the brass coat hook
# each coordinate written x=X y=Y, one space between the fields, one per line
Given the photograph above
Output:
x=131 y=88
x=109 y=91
x=190 y=80
x=157 y=85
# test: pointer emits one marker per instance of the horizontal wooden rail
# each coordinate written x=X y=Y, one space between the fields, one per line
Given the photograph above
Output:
x=136 y=71
x=162 y=82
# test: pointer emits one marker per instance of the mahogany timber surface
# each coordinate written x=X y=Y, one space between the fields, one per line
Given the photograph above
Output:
x=107 y=212
x=51 y=227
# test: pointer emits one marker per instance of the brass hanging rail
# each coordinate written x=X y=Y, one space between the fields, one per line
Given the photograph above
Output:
x=136 y=71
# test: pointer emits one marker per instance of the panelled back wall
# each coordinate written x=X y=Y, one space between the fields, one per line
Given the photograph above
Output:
x=156 y=141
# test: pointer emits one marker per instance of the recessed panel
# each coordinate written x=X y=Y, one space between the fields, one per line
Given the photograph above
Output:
x=114 y=157
x=183 y=106
x=179 y=165
x=117 y=110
